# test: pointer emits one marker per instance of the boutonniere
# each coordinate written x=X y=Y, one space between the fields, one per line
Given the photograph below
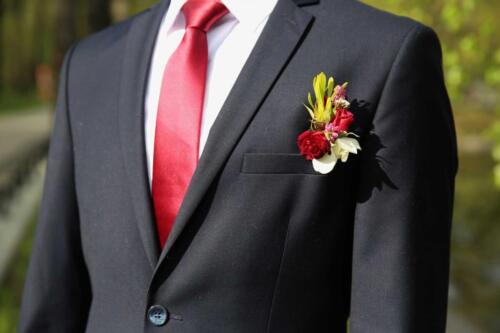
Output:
x=328 y=138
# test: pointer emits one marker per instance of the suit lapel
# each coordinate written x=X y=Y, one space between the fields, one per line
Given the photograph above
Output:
x=136 y=62
x=282 y=35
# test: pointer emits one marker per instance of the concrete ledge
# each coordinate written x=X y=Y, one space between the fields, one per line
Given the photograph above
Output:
x=17 y=218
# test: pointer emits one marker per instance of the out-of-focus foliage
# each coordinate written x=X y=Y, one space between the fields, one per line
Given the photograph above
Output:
x=468 y=30
x=475 y=268
x=495 y=133
x=35 y=34
x=12 y=285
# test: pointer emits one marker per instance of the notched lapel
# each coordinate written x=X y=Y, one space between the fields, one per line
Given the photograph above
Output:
x=135 y=69
x=284 y=31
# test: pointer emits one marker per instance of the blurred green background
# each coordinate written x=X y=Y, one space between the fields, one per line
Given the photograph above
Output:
x=34 y=35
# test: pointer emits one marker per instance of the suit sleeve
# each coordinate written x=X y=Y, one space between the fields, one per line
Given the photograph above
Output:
x=401 y=245
x=57 y=290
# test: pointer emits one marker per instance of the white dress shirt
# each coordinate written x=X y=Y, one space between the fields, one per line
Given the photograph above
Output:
x=230 y=42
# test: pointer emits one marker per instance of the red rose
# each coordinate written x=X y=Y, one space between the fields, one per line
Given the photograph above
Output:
x=313 y=144
x=343 y=119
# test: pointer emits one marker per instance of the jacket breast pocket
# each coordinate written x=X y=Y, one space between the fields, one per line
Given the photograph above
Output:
x=276 y=163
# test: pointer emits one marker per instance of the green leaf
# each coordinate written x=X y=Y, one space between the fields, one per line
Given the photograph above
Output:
x=331 y=83
x=353 y=134
x=319 y=85
x=309 y=99
x=328 y=109
x=318 y=93
x=311 y=112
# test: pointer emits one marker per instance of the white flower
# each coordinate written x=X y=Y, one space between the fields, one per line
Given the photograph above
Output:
x=341 y=103
x=325 y=164
x=340 y=151
x=350 y=145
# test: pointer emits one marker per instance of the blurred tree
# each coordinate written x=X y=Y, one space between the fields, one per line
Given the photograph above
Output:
x=2 y=45
x=136 y=6
x=468 y=31
x=40 y=32
x=99 y=14
x=66 y=32
x=15 y=69
x=495 y=130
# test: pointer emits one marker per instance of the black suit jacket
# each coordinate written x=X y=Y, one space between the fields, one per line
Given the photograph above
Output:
x=261 y=243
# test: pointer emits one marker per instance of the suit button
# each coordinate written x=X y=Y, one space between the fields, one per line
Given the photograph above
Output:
x=157 y=315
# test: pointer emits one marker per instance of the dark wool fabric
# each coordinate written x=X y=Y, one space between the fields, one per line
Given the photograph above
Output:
x=262 y=243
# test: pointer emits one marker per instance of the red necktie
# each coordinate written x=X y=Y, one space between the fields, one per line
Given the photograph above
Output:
x=179 y=115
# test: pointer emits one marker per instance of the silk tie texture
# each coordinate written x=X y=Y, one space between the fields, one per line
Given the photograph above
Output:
x=180 y=110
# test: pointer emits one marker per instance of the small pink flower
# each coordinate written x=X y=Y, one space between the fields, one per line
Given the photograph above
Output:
x=339 y=92
x=332 y=131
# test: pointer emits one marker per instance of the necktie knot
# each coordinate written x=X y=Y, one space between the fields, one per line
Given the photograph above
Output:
x=202 y=14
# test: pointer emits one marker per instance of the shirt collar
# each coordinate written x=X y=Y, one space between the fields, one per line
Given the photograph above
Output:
x=250 y=13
